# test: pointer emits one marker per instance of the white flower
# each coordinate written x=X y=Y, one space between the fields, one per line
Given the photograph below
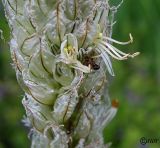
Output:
x=69 y=53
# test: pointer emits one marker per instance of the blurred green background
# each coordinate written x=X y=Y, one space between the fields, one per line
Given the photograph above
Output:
x=136 y=84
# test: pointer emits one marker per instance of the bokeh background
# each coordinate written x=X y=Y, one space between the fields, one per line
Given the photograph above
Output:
x=136 y=85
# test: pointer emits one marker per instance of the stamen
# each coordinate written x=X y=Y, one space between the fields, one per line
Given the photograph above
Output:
x=66 y=50
x=106 y=60
x=135 y=54
x=118 y=52
x=110 y=47
x=118 y=42
x=100 y=35
x=97 y=56
x=114 y=56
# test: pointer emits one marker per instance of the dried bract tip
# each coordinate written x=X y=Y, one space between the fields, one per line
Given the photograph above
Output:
x=115 y=103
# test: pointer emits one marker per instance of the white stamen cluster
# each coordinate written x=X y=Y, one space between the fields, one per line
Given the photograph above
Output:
x=105 y=48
